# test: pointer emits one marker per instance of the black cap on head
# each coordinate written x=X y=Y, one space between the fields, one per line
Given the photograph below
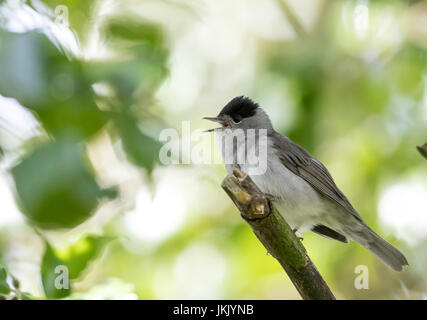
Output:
x=239 y=108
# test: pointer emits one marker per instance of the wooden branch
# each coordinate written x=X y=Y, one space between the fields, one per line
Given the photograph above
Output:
x=276 y=236
x=423 y=150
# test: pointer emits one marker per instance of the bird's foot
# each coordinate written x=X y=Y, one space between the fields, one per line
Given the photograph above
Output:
x=297 y=234
x=270 y=197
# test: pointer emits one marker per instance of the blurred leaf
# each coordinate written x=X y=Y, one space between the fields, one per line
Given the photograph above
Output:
x=137 y=77
x=407 y=70
x=4 y=286
x=140 y=149
x=23 y=73
x=11 y=292
x=74 y=259
x=142 y=64
x=79 y=255
x=53 y=287
x=130 y=29
x=55 y=186
x=79 y=13
x=42 y=79
x=27 y=296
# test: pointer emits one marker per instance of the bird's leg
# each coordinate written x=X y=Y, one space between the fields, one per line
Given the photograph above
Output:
x=295 y=231
x=270 y=197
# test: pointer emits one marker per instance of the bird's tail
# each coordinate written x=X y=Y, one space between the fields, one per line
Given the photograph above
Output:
x=381 y=248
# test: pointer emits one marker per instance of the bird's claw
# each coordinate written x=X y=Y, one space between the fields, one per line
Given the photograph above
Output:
x=270 y=197
x=295 y=231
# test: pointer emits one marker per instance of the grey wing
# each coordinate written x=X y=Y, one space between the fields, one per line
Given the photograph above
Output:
x=301 y=163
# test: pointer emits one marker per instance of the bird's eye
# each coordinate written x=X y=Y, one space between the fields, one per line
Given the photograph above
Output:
x=236 y=120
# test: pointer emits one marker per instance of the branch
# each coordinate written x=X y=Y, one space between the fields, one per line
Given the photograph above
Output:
x=423 y=150
x=276 y=236
x=292 y=18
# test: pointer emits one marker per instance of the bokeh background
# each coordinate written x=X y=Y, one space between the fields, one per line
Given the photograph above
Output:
x=86 y=87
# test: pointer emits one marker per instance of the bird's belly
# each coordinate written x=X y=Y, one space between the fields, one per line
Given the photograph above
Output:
x=295 y=199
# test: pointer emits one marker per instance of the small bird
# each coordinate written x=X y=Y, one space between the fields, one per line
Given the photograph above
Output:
x=300 y=186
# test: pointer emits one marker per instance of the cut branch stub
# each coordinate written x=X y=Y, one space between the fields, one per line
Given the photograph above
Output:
x=276 y=236
x=246 y=196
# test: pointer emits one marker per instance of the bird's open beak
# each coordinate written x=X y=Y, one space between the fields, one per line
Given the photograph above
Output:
x=214 y=120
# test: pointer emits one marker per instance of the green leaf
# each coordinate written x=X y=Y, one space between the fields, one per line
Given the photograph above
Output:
x=4 y=286
x=79 y=14
x=141 y=149
x=55 y=279
x=27 y=296
x=78 y=256
x=130 y=29
x=41 y=78
x=22 y=68
x=59 y=267
x=55 y=185
x=142 y=60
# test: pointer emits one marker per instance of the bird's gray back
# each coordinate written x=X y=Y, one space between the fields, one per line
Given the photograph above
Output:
x=303 y=164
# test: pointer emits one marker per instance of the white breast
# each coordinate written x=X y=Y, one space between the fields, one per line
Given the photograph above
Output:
x=300 y=205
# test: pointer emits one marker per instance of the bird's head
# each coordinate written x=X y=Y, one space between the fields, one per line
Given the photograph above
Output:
x=241 y=113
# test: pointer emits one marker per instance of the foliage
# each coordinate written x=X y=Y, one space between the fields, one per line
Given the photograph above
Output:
x=59 y=89
x=61 y=195
x=4 y=286
x=75 y=258
x=353 y=95
x=63 y=192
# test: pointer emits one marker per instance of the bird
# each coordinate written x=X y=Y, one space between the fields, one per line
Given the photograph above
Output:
x=300 y=187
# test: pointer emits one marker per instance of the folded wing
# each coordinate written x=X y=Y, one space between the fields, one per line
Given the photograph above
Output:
x=301 y=163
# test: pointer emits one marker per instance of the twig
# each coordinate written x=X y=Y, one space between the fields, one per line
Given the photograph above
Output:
x=292 y=18
x=276 y=236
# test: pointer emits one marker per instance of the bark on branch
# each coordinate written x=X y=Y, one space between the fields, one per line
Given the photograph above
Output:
x=423 y=150
x=276 y=236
